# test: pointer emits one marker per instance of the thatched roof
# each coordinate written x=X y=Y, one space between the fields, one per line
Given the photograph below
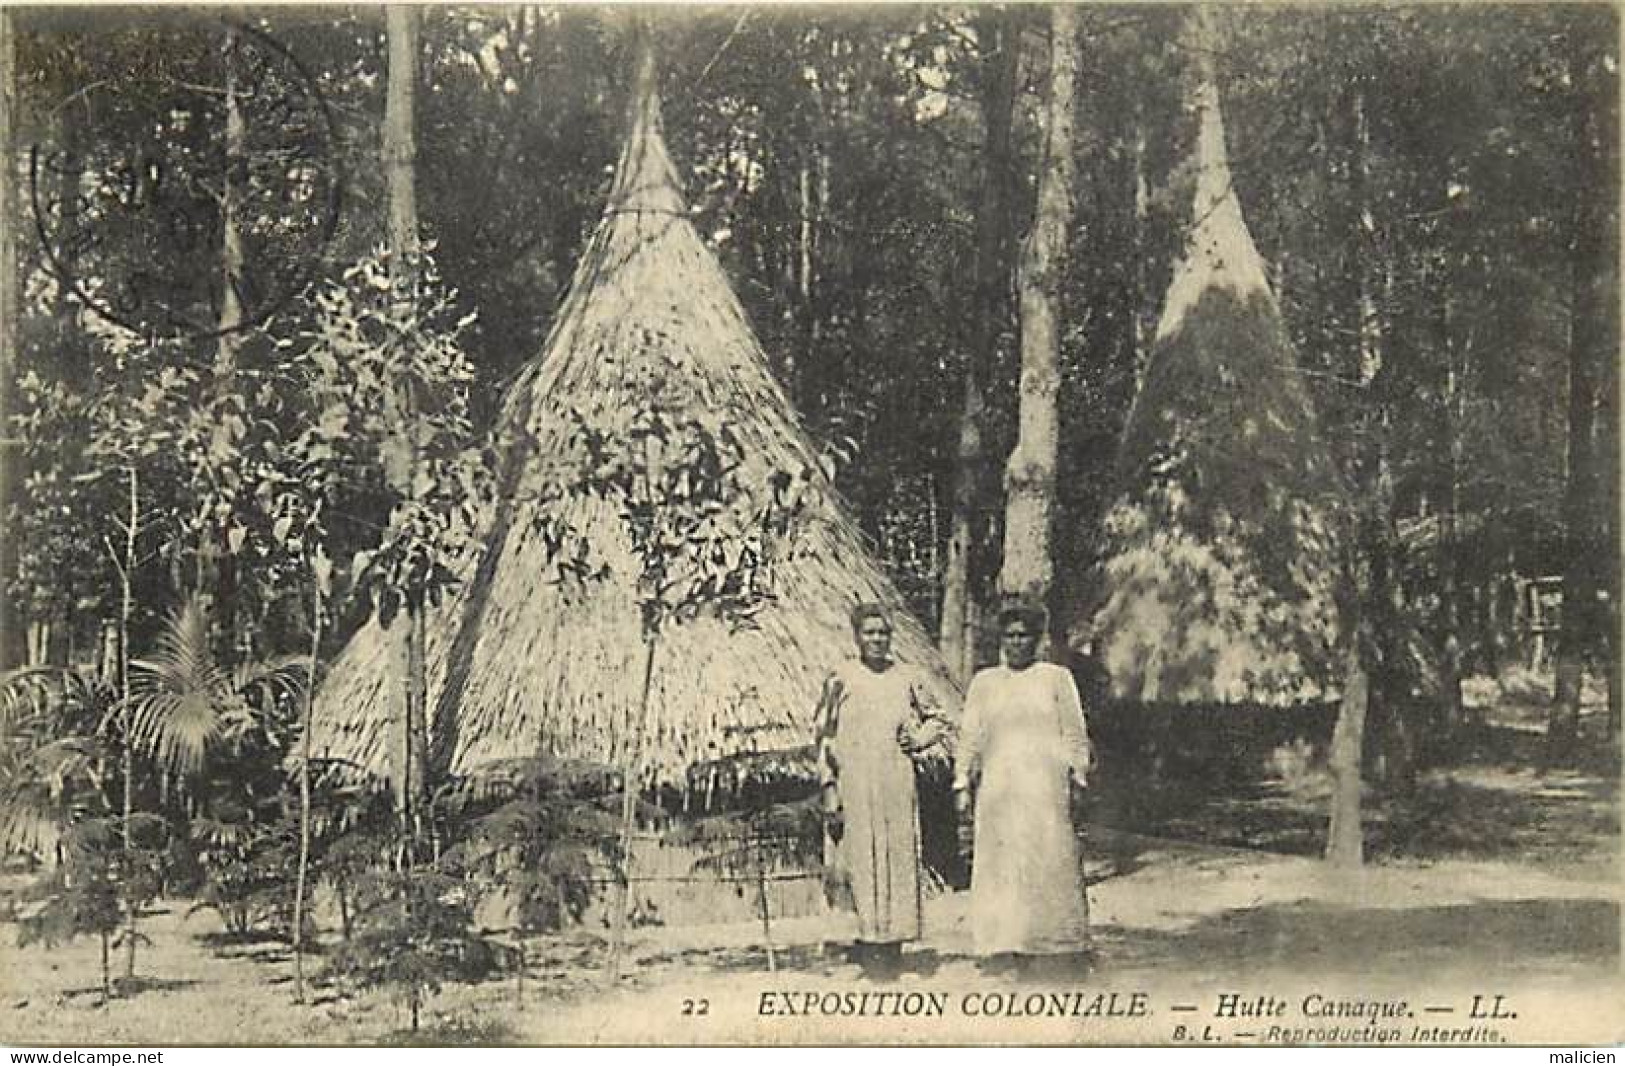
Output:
x=521 y=665
x=1222 y=566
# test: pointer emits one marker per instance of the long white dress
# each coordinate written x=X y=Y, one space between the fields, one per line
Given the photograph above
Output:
x=1022 y=737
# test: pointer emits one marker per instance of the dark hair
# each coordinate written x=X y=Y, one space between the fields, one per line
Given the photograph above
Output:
x=1032 y=616
x=865 y=611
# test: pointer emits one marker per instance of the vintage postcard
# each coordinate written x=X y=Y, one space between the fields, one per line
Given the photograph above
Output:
x=1083 y=524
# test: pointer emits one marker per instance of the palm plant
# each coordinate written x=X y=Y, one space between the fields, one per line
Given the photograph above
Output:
x=216 y=738
x=54 y=756
x=187 y=707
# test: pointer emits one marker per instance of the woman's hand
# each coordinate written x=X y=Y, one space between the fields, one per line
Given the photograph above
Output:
x=915 y=736
x=964 y=806
x=834 y=818
x=1076 y=800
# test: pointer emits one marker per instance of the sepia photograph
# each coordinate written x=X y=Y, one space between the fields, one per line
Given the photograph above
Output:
x=850 y=525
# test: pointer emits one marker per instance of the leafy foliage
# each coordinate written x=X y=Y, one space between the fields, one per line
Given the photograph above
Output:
x=414 y=931
x=98 y=879
x=539 y=832
x=53 y=761
x=704 y=526
x=385 y=349
x=247 y=867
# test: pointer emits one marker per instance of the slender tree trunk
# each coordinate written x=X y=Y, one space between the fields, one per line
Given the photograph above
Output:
x=811 y=187
x=955 y=635
x=1028 y=568
x=999 y=58
x=126 y=716
x=400 y=138
x=1366 y=658
x=1345 y=842
x=107 y=968
x=216 y=569
x=1450 y=541
x=400 y=160
x=342 y=890
x=766 y=911
x=10 y=218
x=39 y=642
x=1381 y=647
x=1593 y=337
x=307 y=720
x=630 y=787
x=1143 y=306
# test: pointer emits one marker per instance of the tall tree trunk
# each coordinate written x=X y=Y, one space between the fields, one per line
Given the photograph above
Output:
x=1028 y=567
x=631 y=784
x=1344 y=839
x=1593 y=347
x=231 y=238
x=217 y=566
x=1450 y=584
x=126 y=716
x=1381 y=651
x=307 y=720
x=1000 y=58
x=400 y=158
x=400 y=138
x=10 y=218
x=1141 y=247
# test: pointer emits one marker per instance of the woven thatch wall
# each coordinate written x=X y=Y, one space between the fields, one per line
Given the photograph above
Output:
x=1222 y=569
x=519 y=664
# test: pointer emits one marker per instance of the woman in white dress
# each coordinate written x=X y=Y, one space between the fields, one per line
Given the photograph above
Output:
x=1023 y=746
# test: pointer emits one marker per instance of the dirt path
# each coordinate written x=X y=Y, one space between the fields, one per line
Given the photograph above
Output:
x=1185 y=913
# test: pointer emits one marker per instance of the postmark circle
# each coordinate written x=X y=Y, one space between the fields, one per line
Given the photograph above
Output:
x=223 y=130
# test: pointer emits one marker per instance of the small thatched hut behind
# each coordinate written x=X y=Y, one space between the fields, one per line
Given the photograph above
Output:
x=522 y=665
x=1222 y=574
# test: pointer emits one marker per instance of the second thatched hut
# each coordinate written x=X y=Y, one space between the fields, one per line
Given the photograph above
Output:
x=1223 y=575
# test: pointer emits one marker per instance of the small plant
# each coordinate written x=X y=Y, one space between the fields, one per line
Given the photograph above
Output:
x=413 y=932
x=87 y=894
x=538 y=833
x=247 y=867
x=705 y=521
x=769 y=831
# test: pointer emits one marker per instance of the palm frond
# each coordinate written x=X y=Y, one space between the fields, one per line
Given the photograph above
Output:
x=54 y=698
x=43 y=789
x=185 y=706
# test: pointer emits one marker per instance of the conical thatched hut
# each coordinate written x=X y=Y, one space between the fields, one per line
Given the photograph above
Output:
x=520 y=664
x=1222 y=569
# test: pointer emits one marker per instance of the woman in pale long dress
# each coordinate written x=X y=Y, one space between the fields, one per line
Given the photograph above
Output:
x=875 y=716
x=1023 y=746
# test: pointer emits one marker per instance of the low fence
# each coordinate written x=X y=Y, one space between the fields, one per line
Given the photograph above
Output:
x=672 y=885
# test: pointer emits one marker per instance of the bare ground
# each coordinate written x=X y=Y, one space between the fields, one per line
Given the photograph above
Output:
x=1494 y=874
